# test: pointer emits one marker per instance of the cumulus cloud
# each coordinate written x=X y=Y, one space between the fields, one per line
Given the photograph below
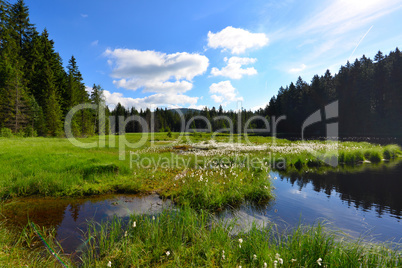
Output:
x=233 y=68
x=156 y=100
x=155 y=71
x=236 y=40
x=224 y=93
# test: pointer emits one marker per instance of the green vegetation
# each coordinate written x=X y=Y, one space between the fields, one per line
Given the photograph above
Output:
x=232 y=172
x=201 y=173
x=183 y=238
x=25 y=248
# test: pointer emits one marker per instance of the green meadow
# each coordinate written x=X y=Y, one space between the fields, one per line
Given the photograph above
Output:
x=202 y=174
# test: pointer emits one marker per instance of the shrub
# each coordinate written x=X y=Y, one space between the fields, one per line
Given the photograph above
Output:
x=375 y=156
x=6 y=132
x=30 y=132
x=391 y=151
x=358 y=156
x=349 y=158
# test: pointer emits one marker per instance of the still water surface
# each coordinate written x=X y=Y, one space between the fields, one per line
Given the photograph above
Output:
x=367 y=202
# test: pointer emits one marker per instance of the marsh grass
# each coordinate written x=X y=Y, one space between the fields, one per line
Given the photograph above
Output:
x=183 y=238
x=54 y=167
x=30 y=247
x=218 y=187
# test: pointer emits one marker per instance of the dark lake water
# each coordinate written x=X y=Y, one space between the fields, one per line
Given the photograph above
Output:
x=367 y=202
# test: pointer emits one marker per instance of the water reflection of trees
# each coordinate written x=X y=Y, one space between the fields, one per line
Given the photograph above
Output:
x=376 y=189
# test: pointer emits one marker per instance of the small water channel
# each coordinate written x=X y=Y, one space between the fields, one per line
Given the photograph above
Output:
x=367 y=202
x=70 y=216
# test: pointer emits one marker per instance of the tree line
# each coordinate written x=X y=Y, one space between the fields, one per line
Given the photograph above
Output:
x=37 y=92
x=369 y=94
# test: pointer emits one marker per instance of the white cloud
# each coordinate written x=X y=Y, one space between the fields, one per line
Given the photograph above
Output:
x=224 y=93
x=155 y=86
x=297 y=69
x=236 y=40
x=155 y=71
x=84 y=16
x=257 y=107
x=156 y=100
x=88 y=89
x=95 y=43
x=233 y=69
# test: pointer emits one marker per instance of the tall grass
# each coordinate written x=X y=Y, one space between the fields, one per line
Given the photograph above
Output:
x=184 y=238
x=26 y=248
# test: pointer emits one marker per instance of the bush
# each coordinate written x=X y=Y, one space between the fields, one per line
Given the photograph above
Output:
x=359 y=156
x=6 y=132
x=30 y=132
x=391 y=151
x=349 y=158
x=375 y=156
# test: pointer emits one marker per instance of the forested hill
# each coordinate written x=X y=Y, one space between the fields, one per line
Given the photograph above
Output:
x=36 y=91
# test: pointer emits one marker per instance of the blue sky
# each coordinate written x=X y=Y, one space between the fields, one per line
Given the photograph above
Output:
x=207 y=53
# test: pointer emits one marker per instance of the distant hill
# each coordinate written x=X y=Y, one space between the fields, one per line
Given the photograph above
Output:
x=186 y=110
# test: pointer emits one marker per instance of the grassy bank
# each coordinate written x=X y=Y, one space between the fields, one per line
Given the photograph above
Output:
x=191 y=169
x=26 y=249
x=184 y=238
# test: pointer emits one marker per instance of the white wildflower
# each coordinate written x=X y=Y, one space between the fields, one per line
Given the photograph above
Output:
x=167 y=253
x=277 y=256
x=109 y=264
x=125 y=234
x=275 y=263
x=319 y=261
x=265 y=265
x=254 y=257
x=280 y=260
x=240 y=240
x=153 y=217
x=293 y=260
x=134 y=224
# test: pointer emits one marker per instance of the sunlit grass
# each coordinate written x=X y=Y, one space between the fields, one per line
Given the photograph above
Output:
x=54 y=167
x=183 y=238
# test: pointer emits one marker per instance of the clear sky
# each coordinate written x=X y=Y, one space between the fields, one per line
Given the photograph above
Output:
x=184 y=53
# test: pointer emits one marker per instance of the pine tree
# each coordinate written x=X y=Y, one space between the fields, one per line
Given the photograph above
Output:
x=23 y=29
x=98 y=99
x=13 y=102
